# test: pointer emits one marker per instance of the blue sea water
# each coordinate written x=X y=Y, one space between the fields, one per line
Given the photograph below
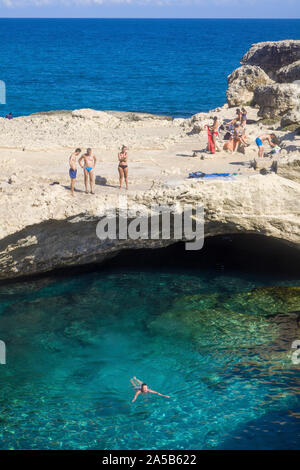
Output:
x=174 y=67
x=223 y=357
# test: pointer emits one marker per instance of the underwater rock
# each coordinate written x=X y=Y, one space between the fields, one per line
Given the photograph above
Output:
x=266 y=300
x=217 y=329
x=81 y=331
x=239 y=320
x=260 y=300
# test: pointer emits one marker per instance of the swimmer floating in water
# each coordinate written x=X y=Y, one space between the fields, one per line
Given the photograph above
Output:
x=141 y=387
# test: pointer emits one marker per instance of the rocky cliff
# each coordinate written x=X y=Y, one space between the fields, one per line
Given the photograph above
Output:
x=273 y=55
x=269 y=77
x=44 y=228
x=46 y=231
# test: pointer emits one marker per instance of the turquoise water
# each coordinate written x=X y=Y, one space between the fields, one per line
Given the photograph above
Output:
x=175 y=67
x=218 y=348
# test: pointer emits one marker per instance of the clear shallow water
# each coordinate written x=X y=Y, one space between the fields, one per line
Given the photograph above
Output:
x=175 y=67
x=220 y=351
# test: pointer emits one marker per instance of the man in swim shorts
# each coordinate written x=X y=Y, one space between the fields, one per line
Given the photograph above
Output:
x=73 y=168
x=141 y=387
x=88 y=163
x=261 y=139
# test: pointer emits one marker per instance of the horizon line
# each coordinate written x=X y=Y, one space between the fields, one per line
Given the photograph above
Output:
x=136 y=18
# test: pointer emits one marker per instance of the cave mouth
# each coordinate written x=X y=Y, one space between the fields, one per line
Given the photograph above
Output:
x=241 y=254
x=244 y=253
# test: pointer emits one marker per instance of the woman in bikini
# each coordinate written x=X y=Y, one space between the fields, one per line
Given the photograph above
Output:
x=244 y=117
x=123 y=166
x=141 y=388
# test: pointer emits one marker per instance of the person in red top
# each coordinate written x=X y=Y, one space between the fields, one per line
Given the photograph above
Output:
x=215 y=132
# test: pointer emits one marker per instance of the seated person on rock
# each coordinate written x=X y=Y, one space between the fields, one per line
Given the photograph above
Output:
x=239 y=137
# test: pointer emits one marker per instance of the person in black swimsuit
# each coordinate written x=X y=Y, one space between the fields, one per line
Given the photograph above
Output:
x=244 y=117
x=123 y=166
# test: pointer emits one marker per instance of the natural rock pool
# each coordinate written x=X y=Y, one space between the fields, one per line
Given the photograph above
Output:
x=220 y=349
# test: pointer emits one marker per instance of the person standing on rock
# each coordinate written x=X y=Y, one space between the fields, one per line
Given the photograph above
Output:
x=244 y=117
x=73 y=169
x=261 y=139
x=237 y=119
x=123 y=166
x=88 y=162
x=215 y=132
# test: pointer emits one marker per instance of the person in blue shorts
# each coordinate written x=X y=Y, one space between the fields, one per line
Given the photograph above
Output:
x=73 y=169
x=264 y=138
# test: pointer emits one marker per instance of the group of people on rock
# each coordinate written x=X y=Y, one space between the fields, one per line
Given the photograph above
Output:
x=87 y=162
x=235 y=139
x=236 y=135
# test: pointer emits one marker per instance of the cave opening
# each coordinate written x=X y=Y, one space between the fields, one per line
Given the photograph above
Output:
x=245 y=253
x=242 y=254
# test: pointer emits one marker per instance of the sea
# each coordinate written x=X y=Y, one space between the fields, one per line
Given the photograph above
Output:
x=176 y=67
